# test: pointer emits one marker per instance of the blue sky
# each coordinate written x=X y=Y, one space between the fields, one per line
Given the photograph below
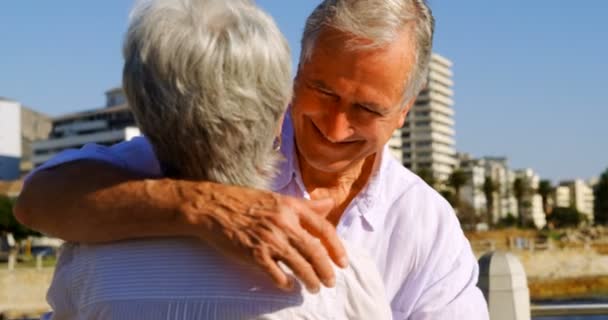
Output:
x=531 y=77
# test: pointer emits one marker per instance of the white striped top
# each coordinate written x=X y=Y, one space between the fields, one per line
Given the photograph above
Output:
x=179 y=278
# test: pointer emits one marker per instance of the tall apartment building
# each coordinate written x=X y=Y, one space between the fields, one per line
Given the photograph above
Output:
x=427 y=137
x=19 y=127
x=106 y=126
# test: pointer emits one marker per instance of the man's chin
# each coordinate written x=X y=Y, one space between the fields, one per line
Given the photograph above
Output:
x=329 y=166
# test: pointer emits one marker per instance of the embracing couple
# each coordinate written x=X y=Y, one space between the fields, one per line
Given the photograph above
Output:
x=253 y=195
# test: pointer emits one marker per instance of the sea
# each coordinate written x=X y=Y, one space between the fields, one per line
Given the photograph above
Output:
x=598 y=300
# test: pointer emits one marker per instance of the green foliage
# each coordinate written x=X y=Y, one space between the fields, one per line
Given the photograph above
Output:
x=428 y=176
x=521 y=189
x=601 y=199
x=6 y=209
x=457 y=179
x=489 y=188
x=565 y=217
x=9 y=223
x=545 y=188
x=507 y=222
x=448 y=195
x=552 y=234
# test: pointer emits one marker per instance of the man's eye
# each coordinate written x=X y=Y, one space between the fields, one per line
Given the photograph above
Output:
x=368 y=110
x=325 y=93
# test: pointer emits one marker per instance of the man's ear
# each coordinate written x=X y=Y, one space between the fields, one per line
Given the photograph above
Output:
x=403 y=112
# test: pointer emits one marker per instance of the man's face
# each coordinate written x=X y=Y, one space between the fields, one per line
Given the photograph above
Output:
x=347 y=103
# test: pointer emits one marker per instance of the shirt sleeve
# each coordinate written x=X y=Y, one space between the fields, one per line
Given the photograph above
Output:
x=135 y=155
x=446 y=273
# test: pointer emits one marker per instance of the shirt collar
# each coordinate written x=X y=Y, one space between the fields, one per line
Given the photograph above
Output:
x=364 y=203
x=369 y=200
x=286 y=166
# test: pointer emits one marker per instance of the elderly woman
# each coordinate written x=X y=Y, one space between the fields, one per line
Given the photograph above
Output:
x=208 y=82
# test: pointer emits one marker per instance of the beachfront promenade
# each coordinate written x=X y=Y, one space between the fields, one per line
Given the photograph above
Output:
x=503 y=278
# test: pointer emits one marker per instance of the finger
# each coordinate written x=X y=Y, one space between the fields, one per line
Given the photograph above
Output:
x=314 y=252
x=282 y=280
x=325 y=231
x=301 y=269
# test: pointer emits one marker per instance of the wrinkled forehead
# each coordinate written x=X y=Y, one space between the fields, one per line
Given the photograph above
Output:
x=386 y=67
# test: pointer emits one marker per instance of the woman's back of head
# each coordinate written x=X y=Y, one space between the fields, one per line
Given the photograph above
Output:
x=208 y=81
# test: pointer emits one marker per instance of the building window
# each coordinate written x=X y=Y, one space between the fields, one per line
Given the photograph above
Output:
x=423 y=144
x=422 y=123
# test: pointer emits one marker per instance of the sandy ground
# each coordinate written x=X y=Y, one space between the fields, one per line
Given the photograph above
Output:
x=567 y=263
x=24 y=290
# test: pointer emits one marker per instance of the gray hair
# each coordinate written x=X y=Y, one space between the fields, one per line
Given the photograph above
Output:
x=208 y=81
x=379 y=21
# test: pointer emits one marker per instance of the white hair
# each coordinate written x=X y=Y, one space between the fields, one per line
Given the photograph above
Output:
x=379 y=21
x=207 y=81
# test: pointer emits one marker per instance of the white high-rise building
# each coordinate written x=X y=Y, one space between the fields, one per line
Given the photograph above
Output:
x=427 y=137
x=105 y=126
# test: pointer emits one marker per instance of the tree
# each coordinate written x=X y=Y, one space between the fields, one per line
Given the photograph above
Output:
x=521 y=190
x=456 y=181
x=428 y=176
x=9 y=223
x=601 y=199
x=544 y=190
x=6 y=209
x=565 y=217
x=489 y=188
x=449 y=196
x=507 y=222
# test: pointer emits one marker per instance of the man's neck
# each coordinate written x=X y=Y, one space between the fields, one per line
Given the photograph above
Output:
x=342 y=186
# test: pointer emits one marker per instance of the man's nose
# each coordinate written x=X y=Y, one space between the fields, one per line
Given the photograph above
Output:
x=337 y=126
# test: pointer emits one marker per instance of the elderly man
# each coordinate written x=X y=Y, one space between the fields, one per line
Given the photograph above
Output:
x=361 y=67
x=188 y=79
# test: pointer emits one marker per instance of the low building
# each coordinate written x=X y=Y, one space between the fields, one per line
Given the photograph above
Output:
x=105 y=126
x=504 y=203
x=532 y=202
x=579 y=196
x=472 y=192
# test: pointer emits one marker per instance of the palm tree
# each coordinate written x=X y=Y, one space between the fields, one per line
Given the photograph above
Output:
x=489 y=188
x=601 y=199
x=521 y=189
x=544 y=190
x=428 y=176
x=457 y=180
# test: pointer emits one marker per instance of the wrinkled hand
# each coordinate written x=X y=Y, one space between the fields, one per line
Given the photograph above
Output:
x=266 y=228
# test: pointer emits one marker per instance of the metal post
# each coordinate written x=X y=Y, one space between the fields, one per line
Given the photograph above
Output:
x=12 y=259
